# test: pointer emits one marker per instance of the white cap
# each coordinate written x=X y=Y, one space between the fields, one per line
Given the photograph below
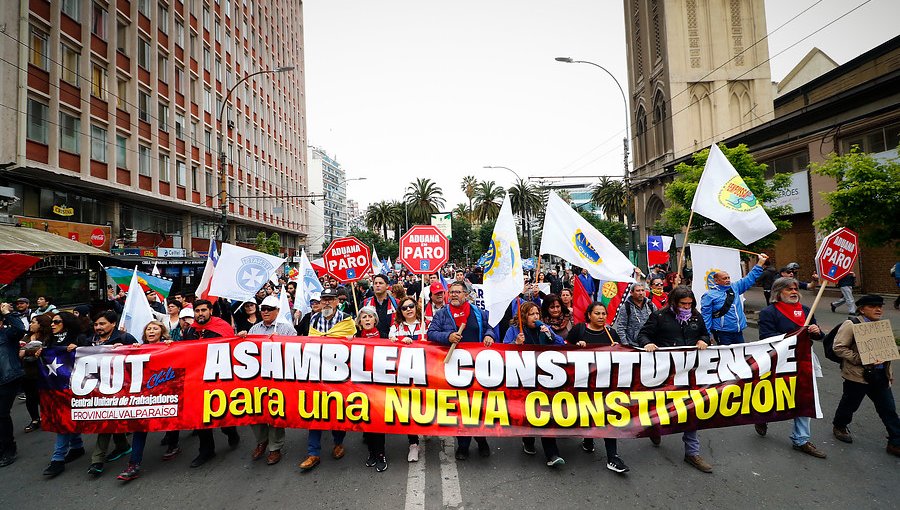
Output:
x=186 y=312
x=272 y=301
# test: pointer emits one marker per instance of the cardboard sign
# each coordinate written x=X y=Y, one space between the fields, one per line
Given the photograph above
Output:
x=875 y=342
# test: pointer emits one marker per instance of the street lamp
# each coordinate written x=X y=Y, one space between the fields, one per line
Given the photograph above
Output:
x=223 y=173
x=524 y=208
x=625 y=174
x=331 y=214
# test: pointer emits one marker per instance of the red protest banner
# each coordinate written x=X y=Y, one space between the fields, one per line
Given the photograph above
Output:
x=377 y=386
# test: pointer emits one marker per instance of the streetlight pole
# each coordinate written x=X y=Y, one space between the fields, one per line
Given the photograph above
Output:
x=223 y=173
x=625 y=173
x=524 y=209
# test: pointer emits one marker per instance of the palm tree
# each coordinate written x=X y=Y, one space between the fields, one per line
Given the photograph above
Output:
x=488 y=199
x=611 y=196
x=423 y=198
x=461 y=211
x=525 y=199
x=469 y=186
x=379 y=216
x=397 y=216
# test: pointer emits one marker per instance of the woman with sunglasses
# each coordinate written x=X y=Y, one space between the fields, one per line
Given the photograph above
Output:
x=247 y=316
x=658 y=295
x=409 y=327
x=40 y=333
x=367 y=327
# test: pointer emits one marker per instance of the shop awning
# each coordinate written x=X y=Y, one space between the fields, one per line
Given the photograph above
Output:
x=30 y=240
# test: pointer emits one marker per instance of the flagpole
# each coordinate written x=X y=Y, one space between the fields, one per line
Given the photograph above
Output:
x=815 y=303
x=453 y=346
x=355 y=304
x=687 y=231
x=422 y=298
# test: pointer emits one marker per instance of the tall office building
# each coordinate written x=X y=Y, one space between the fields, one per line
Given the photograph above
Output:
x=335 y=221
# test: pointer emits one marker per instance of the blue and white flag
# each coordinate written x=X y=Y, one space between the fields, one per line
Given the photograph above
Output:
x=136 y=313
x=285 y=314
x=308 y=285
x=386 y=266
x=241 y=272
x=503 y=278
x=376 y=263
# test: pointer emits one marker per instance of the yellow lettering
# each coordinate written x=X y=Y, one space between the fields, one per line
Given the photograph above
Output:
x=701 y=409
x=535 y=404
x=241 y=402
x=213 y=397
x=785 y=391
x=614 y=402
x=396 y=400
x=590 y=409
x=727 y=406
x=495 y=409
x=357 y=406
x=276 y=403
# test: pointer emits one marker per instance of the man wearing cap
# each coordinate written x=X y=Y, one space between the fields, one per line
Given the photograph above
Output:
x=790 y=271
x=722 y=308
x=267 y=436
x=22 y=311
x=154 y=304
x=185 y=319
x=872 y=380
x=329 y=322
x=383 y=303
x=435 y=302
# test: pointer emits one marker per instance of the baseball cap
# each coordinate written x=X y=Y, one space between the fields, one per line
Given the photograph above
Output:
x=23 y=300
x=186 y=312
x=436 y=287
x=272 y=301
x=329 y=293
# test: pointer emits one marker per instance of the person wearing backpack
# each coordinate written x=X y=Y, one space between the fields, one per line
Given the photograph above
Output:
x=873 y=381
x=721 y=306
x=786 y=315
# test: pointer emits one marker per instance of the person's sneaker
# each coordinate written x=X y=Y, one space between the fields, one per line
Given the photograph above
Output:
x=833 y=308
x=259 y=451
x=21 y=396
x=338 y=452
x=95 y=469
x=413 y=455
x=310 y=462
x=616 y=465
x=698 y=462
x=34 y=425
x=381 y=463
x=761 y=429
x=73 y=453
x=371 y=460
x=118 y=453
x=556 y=460
x=164 y=441
x=893 y=449
x=171 y=453
x=54 y=468
x=131 y=472
x=484 y=449
x=842 y=434
x=655 y=438
x=7 y=459
x=462 y=454
x=810 y=449
x=201 y=459
x=587 y=445
x=529 y=449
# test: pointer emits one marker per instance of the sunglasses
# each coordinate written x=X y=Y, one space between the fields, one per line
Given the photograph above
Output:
x=408 y=307
x=268 y=308
x=56 y=321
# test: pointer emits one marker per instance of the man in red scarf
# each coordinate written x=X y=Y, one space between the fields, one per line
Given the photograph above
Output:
x=786 y=315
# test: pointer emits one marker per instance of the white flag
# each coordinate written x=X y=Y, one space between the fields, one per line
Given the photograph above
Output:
x=308 y=285
x=723 y=196
x=503 y=278
x=566 y=234
x=376 y=263
x=136 y=313
x=706 y=260
x=240 y=272
x=285 y=314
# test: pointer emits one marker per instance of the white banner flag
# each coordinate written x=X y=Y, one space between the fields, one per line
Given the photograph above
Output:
x=723 y=196
x=503 y=278
x=308 y=285
x=240 y=272
x=285 y=314
x=136 y=313
x=706 y=260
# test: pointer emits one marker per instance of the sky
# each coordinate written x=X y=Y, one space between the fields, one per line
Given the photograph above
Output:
x=400 y=89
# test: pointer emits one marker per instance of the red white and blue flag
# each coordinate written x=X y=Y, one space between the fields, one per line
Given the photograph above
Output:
x=658 y=249
x=212 y=258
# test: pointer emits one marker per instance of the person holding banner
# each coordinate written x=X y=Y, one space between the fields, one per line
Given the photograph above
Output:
x=384 y=303
x=436 y=302
x=593 y=331
x=409 y=327
x=679 y=325
x=367 y=327
x=556 y=315
x=722 y=307
x=460 y=321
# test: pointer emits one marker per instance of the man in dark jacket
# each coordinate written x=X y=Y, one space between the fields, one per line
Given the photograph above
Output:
x=846 y=284
x=207 y=326
x=460 y=321
x=11 y=372
x=783 y=316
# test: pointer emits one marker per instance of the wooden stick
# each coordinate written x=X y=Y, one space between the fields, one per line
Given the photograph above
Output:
x=453 y=346
x=685 y=243
x=749 y=252
x=538 y=270
x=815 y=303
x=422 y=297
x=611 y=341
x=353 y=289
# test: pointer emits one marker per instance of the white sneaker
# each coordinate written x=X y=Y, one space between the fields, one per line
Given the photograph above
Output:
x=413 y=453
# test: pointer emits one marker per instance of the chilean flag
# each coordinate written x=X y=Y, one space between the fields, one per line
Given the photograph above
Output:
x=212 y=258
x=658 y=249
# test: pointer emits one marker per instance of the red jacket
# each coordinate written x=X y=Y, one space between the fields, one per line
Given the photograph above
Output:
x=215 y=327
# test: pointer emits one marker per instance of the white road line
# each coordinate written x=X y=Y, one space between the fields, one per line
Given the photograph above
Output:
x=415 y=483
x=449 y=475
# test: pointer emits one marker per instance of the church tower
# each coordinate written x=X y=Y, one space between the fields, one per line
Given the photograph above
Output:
x=698 y=72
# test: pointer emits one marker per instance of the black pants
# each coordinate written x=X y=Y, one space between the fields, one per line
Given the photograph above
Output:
x=883 y=399
x=612 y=449
x=208 y=443
x=463 y=442
x=375 y=442
x=412 y=439
x=172 y=437
x=768 y=295
x=547 y=443
x=7 y=397
x=32 y=398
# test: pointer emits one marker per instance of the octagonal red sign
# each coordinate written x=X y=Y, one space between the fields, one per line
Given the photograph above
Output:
x=424 y=249
x=837 y=254
x=347 y=259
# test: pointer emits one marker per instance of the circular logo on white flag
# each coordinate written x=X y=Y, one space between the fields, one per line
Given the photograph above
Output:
x=253 y=273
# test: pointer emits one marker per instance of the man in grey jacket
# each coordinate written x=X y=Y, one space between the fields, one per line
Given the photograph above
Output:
x=633 y=314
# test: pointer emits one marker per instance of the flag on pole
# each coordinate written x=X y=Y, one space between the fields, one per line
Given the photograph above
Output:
x=14 y=264
x=613 y=294
x=504 y=278
x=658 y=249
x=443 y=282
x=389 y=263
x=285 y=313
x=568 y=235
x=706 y=260
x=136 y=313
x=580 y=302
x=155 y=271
x=308 y=285
x=723 y=196
x=212 y=258
x=376 y=263
x=122 y=278
x=241 y=272
x=386 y=267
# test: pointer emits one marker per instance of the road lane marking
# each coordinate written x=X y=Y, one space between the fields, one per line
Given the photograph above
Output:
x=449 y=474
x=415 y=483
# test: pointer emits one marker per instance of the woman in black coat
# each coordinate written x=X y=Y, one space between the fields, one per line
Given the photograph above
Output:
x=677 y=325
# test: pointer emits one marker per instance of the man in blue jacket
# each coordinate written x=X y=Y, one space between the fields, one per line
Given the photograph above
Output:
x=11 y=331
x=722 y=309
x=460 y=321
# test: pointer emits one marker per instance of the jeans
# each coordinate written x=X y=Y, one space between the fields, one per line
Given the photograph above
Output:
x=846 y=297
x=314 y=444
x=800 y=434
x=102 y=447
x=691 y=443
x=728 y=337
x=7 y=397
x=463 y=442
x=64 y=443
x=265 y=433
x=547 y=443
x=883 y=399
x=138 y=441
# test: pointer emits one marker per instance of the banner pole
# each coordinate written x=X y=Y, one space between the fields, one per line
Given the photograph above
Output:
x=355 y=304
x=815 y=303
x=422 y=298
x=453 y=346
x=685 y=243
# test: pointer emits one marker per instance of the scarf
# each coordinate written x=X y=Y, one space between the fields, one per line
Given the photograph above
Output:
x=682 y=315
x=369 y=333
x=460 y=313
x=794 y=312
x=558 y=323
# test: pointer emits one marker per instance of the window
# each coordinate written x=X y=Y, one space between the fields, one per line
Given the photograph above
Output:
x=179 y=79
x=218 y=69
x=207 y=140
x=163 y=21
x=207 y=101
x=218 y=31
x=39 y=49
x=98 y=80
x=69 y=64
x=206 y=59
x=163 y=117
x=180 y=173
x=144 y=7
x=162 y=68
x=98 y=21
x=71 y=8
x=69 y=132
x=98 y=144
x=194 y=179
x=193 y=49
x=206 y=19
x=37 y=121
x=143 y=106
x=179 y=126
x=179 y=33
x=121 y=36
x=144 y=160
x=122 y=93
x=164 y=167
x=209 y=184
x=121 y=151
x=143 y=53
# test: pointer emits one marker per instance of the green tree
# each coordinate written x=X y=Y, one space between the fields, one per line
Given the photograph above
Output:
x=461 y=211
x=397 y=217
x=867 y=196
x=611 y=196
x=462 y=241
x=423 y=198
x=270 y=244
x=488 y=199
x=384 y=247
x=615 y=231
x=483 y=239
x=379 y=216
x=680 y=193
x=469 y=186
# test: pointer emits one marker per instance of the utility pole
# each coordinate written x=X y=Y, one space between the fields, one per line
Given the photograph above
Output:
x=331 y=222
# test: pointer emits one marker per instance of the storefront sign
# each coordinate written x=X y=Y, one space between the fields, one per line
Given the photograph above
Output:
x=62 y=210
x=97 y=236
x=170 y=252
x=795 y=195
